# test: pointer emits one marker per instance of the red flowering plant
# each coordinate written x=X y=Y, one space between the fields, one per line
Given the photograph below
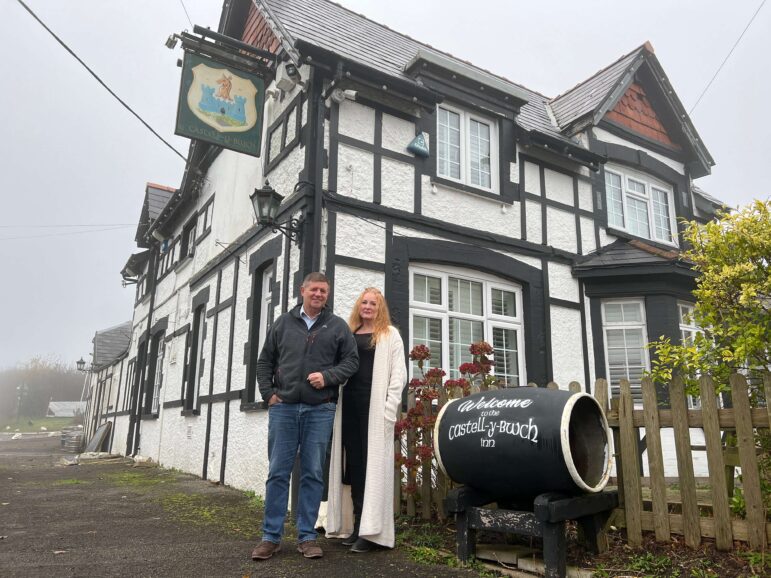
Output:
x=427 y=394
x=479 y=371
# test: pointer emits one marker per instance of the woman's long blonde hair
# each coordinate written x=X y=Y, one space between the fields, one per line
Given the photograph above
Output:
x=382 y=320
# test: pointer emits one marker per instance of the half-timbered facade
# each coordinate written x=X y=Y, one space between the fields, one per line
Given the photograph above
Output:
x=485 y=210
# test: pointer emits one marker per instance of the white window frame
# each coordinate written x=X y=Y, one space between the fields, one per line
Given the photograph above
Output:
x=606 y=325
x=160 y=355
x=489 y=321
x=466 y=117
x=266 y=305
x=626 y=175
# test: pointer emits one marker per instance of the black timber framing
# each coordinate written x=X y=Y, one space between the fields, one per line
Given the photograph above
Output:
x=231 y=339
x=212 y=364
x=282 y=123
x=450 y=231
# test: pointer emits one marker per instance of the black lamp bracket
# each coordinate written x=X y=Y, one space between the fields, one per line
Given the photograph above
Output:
x=292 y=229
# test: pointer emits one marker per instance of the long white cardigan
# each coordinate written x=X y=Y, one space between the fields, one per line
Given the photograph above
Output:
x=389 y=375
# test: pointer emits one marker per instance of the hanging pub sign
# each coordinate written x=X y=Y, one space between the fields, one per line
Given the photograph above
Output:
x=220 y=105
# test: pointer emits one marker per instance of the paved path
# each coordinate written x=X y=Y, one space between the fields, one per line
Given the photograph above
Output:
x=108 y=518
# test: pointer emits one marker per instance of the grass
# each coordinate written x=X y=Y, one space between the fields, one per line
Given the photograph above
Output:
x=33 y=424
x=433 y=543
x=198 y=510
x=238 y=515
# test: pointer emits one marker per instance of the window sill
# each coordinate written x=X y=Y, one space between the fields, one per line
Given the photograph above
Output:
x=148 y=416
x=470 y=189
x=249 y=406
x=620 y=233
x=190 y=412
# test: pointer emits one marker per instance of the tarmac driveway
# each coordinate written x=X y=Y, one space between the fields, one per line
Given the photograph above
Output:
x=108 y=518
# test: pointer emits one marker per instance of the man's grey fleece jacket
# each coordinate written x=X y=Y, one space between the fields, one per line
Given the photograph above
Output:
x=292 y=352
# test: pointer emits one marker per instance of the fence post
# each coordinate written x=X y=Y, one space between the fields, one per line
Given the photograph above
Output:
x=630 y=466
x=411 y=478
x=575 y=387
x=756 y=516
x=398 y=469
x=716 y=465
x=425 y=487
x=655 y=460
x=691 y=526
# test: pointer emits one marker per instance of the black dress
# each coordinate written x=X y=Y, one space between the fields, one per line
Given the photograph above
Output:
x=356 y=397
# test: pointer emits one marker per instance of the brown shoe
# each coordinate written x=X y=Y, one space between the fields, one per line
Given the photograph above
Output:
x=310 y=549
x=265 y=550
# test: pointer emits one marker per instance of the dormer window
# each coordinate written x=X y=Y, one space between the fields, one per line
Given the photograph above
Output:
x=467 y=148
x=639 y=205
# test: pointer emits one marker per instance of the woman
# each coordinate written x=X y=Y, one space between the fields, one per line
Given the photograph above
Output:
x=360 y=503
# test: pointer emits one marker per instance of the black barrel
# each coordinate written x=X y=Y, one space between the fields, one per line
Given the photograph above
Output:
x=523 y=441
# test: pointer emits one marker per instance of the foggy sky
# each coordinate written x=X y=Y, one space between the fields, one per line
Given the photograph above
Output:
x=71 y=155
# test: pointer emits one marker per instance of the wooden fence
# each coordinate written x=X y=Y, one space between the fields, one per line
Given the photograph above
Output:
x=691 y=507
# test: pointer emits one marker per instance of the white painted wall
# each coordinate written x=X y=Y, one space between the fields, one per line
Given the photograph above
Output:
x=466 y=209
x=359 y=238
x=566 y=346
x=349 y=283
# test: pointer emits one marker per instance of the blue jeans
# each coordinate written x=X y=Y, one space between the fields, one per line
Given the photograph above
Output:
x=293 y=426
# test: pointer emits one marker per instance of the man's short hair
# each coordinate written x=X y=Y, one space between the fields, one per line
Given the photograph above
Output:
x=315 y=277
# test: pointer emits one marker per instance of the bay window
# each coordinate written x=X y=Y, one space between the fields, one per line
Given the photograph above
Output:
x=452 y=308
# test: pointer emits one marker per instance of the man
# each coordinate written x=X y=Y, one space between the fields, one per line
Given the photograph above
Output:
x=308 y=353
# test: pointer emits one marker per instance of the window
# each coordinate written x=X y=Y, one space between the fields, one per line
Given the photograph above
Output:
x=194 y=358
x=623 y=324
x=187 y=243
x=688 y=331
x=640 y=206
x=167 y=256
x=451 y=309
x=467 y=148
x=152 y=401
x=266 y=306
x=206 y=213
x=127 y=384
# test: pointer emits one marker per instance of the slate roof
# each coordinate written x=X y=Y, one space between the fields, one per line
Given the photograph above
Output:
x=156 y=198
x=335 y=28
x=134 y=264
x=621 y=255
x=111 y=343
x=355 y=37
x=587 y=97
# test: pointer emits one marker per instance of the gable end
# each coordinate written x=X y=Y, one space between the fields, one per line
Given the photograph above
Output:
x=635 y=112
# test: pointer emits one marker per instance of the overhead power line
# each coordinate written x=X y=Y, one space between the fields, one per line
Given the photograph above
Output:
x=67 y=225
x=100 y=81
x=730 y=52
x=186 y=14
x=65 y=234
